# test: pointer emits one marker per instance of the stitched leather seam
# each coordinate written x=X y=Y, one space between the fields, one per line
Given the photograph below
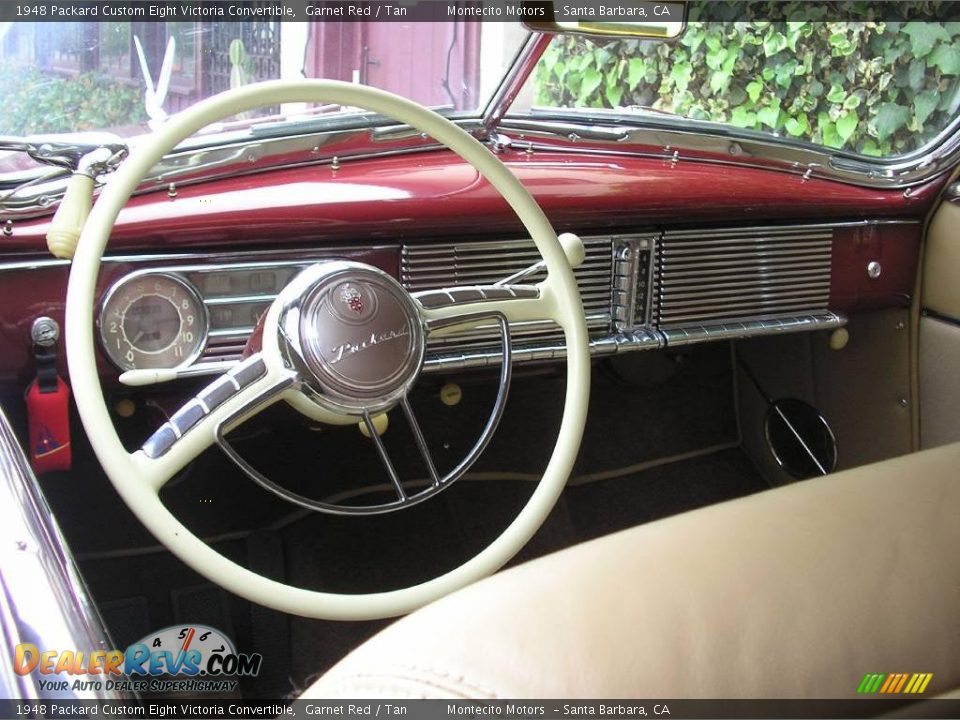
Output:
x=440 y=680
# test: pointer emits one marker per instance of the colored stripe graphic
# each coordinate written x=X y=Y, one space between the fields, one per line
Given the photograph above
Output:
x=894 y=683
x=903 y=680
x=918 y=683
x=891 y=679
x=870 y=683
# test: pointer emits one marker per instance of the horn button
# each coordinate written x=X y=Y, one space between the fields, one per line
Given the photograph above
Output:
x=361 y=339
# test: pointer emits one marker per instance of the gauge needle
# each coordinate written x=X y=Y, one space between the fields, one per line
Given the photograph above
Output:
x=139 y=335
x=185 y=646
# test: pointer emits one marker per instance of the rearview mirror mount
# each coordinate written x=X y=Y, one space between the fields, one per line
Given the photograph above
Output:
x=608 y=18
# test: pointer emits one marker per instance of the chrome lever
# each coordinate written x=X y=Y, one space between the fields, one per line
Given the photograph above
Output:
x=64 y=154
x=572 y=247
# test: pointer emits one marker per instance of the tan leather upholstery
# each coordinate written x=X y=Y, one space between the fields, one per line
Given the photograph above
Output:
x=939 y=382
x=941 y=262
x=794 y=592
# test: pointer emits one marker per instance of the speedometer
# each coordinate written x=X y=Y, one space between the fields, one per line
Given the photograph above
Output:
x=153 y=320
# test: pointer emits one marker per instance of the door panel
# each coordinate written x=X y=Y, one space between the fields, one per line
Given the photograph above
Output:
x=939 y=381
x=939 y=341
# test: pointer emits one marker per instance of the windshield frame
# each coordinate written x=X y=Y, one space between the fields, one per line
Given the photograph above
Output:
x=642 y=130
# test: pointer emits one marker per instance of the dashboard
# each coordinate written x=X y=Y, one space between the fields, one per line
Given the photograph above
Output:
x=660 y=270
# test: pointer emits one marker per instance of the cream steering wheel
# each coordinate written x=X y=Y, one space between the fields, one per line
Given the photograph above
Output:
x=304 y=359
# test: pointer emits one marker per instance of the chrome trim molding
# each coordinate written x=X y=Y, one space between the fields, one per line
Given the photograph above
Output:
x=195 y=162
x=640 y=339
x=43 y=599
x=677 y=140
x=773 y=325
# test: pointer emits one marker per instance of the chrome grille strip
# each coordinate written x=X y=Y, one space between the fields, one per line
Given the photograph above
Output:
x=733 y=274
x=429 y=266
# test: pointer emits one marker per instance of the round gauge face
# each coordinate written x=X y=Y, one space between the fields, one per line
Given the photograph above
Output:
x=152 y=321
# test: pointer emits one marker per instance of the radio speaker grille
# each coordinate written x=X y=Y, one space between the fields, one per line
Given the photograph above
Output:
x=714 y=276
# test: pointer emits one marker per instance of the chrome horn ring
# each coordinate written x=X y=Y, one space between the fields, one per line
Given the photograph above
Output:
x=355 y=341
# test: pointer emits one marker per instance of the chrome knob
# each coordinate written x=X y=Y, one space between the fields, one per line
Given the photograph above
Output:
x=874 y=269
x=45 y=331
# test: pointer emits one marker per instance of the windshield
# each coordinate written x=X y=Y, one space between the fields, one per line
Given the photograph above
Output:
x=878 y=89
x=127 y=77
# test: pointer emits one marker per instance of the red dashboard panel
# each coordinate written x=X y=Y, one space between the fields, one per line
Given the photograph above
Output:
x=896 y=250
x=437 y=194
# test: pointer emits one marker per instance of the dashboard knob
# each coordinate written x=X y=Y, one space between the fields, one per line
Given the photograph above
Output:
x=573 y=248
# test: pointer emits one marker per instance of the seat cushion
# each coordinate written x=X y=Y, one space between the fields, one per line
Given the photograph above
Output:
x=796 y=592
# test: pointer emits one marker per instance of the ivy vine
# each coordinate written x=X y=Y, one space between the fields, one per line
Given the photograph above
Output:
x=878 y=88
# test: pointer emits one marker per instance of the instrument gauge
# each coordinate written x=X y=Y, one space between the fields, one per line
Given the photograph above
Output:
x=153 y=320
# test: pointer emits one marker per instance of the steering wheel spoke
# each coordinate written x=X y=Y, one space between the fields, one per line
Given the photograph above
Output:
x=456 y=309
x=233 y=397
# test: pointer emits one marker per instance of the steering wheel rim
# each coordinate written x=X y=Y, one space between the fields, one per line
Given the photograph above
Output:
x=126 y=471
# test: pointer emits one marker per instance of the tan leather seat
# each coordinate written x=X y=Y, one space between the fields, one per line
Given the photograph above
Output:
x=796 y=592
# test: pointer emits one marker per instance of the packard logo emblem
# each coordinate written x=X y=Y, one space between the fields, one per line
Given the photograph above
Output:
x=352 y=298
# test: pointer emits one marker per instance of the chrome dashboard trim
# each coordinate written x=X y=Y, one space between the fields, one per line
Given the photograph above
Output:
x=193 y=164
x=637 y=340
x=673 y=139
x=243 y=257
x=724 y=275
x=133 y=258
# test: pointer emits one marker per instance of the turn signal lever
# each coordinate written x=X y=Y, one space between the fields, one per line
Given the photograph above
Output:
x=572 y=247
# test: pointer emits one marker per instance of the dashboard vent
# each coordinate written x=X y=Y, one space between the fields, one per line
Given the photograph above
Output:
x=709 y=276
x=436 y=265
x=224 y=349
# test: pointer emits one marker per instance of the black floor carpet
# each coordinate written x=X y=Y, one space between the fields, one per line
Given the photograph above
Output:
x=335 y=554
x=644 y=408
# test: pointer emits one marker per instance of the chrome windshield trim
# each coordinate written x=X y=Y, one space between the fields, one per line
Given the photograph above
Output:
x=252 y=154
x=679 y=139
x=513 y=81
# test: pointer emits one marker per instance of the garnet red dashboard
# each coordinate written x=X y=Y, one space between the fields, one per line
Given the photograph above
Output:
x=675 y=254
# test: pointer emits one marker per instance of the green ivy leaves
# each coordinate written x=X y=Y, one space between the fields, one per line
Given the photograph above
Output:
x=877 y=88
x=890 y=118
x=35 y=102
x=923 y=36
x=946 y=58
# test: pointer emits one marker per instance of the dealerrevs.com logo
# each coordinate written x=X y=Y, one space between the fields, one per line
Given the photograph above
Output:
x=180 y=658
